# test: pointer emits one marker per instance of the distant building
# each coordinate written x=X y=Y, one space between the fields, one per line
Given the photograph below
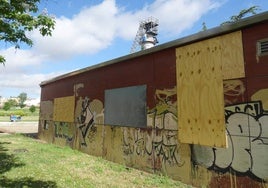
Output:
x=2 y=101
x=34 y=102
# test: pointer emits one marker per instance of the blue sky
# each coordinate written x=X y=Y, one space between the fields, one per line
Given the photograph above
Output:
x=89 y=32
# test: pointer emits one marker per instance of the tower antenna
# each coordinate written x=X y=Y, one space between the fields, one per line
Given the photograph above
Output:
x=146 y=35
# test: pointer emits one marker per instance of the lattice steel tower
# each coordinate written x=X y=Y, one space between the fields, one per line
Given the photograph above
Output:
x=146 y=35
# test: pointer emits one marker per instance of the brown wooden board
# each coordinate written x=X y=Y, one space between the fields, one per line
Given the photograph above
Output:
x=232 y=55
x=200 y=94
x=201 y=69
x=64 y=109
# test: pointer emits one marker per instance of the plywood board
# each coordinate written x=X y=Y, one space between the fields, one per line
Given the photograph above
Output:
x=46 y=110
x=232 y=55
x=200 y=93
x=64 y=109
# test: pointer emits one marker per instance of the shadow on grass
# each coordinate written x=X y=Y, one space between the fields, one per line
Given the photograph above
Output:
x=25 y=182
x=9 y=161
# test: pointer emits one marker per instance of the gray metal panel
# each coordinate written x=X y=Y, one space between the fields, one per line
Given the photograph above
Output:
x=126 y=106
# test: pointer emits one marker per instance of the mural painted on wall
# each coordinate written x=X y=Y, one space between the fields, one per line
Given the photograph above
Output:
x=247 y=133
x=91 y=115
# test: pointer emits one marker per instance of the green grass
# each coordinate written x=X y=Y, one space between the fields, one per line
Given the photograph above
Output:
x=26 y=162
x=23 y=118
x=17 y=111
x=25 y=114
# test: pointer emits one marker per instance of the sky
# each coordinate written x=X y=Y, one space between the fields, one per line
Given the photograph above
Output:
x=89 y=32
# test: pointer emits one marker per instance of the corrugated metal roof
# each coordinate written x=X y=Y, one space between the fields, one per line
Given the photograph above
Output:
x=223 y=29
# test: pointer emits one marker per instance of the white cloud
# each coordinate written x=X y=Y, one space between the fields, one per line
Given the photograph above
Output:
x=19 y=72
x=23 y=82
x=17 y=58
x=178 y=15
x=86 y=33
x=95 y=27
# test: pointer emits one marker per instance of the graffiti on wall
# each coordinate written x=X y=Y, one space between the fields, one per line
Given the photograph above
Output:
x=63 y=130
x=246 y=127
x=160 y=145
x=233 y=91
x=160 y=142
x=247 y=134
x=164 y=114
x=91 y=115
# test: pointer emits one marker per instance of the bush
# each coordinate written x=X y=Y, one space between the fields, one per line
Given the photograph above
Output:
x=7 y=106
x=32 y=109
x=14 y=112
x=20 y=113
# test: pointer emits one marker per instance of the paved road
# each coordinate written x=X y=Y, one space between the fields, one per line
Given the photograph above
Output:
x=19 y=127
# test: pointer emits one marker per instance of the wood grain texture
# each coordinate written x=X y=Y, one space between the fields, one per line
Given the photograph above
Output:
x=232 y=55
x=200 y=93
x=64 y=109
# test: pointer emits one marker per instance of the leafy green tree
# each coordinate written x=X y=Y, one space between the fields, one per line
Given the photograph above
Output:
x=22 y=98
x=13 y=102
x=6 y=106
x=18 y=17
x=243 y=13
x=32 y=108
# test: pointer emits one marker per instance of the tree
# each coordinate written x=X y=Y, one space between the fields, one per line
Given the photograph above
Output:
x=32 y=108
x=22 y=98
x=6 y=106
x=243 y=13
x=18 y=17
x=12 y=102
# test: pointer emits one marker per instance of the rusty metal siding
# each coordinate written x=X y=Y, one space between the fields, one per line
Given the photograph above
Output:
x=156 y=70
x=255 y=66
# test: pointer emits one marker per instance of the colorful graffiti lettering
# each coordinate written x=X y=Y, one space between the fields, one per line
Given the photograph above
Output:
x=247 y=133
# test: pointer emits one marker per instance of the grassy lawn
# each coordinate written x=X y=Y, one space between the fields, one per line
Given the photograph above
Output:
x=25 y=114
x=23 y=118
x=27 y=162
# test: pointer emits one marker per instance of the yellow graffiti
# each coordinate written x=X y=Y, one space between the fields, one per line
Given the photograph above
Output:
x=261 y=95
x=165 y=104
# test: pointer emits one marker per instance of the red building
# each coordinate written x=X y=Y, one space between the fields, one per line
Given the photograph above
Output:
x=195 y=109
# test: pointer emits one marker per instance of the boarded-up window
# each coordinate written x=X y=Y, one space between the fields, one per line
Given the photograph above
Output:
x=201 y=68
x=64 y=109
x=126 y=106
